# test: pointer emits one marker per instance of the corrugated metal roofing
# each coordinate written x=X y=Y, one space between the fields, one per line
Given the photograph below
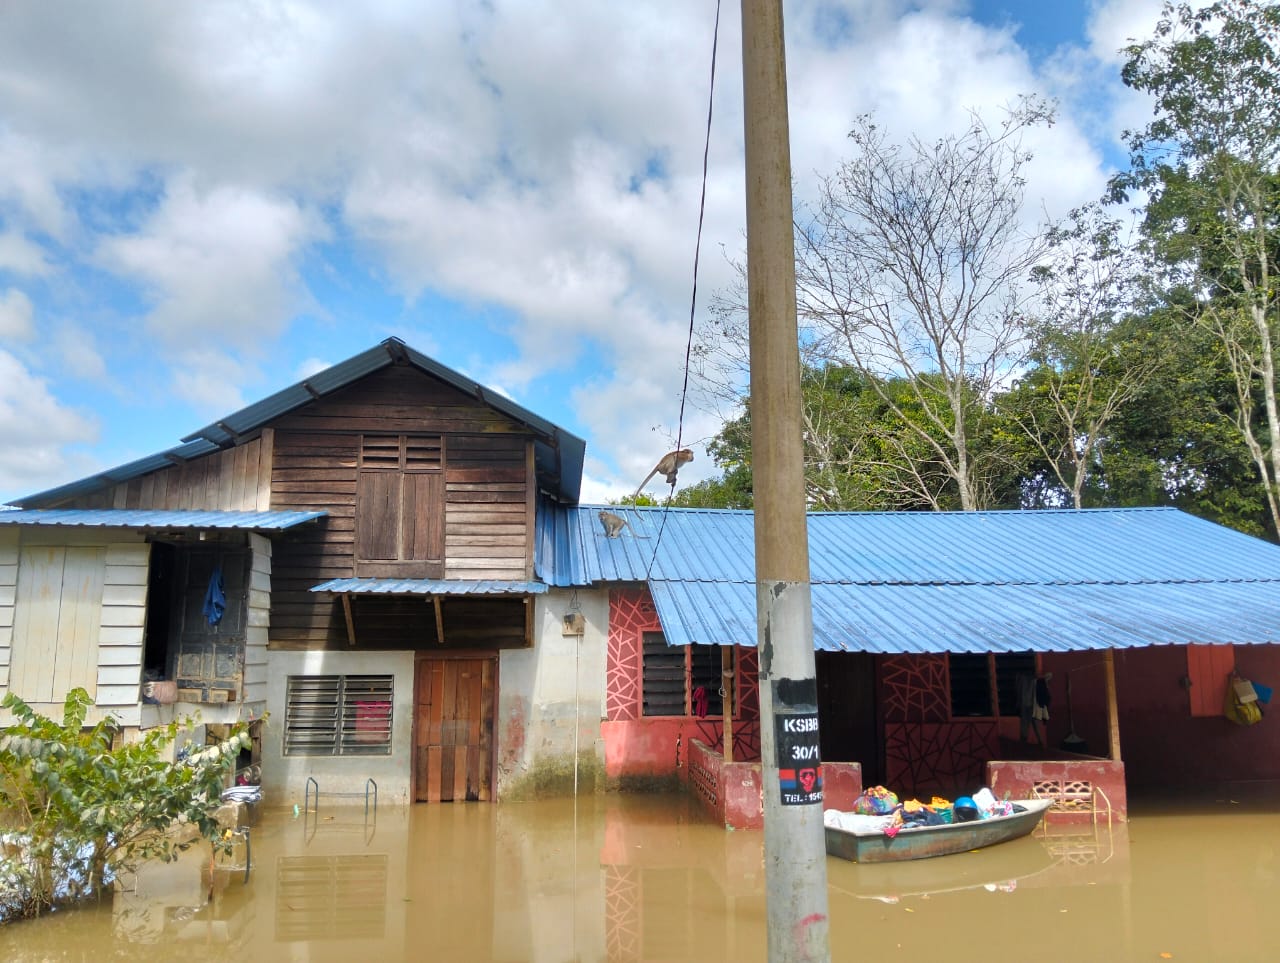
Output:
x=428 y=586
x=938 y=582
x=157 y=519
x=558 y=454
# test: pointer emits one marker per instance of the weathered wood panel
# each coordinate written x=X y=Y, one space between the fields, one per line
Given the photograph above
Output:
x=486 y=487
x=235 y=479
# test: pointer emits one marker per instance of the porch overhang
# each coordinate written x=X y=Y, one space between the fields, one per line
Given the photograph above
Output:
x=429 y=586
x=897 y=619
x=432 y=591
x=152 y=520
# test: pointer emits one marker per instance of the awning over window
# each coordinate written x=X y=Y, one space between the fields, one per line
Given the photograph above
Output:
x=429 y=586
x=157 y=519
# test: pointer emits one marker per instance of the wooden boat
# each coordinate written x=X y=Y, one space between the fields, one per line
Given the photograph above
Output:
x=921 y=842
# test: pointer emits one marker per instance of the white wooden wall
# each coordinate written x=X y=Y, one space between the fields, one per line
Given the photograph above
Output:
x=257 y=624
x=76 y=614
x=8 y=591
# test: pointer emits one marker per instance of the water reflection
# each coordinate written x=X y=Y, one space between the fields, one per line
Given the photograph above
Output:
x=647 y=879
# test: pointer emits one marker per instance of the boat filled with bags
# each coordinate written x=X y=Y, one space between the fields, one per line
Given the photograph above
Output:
x=879 y=819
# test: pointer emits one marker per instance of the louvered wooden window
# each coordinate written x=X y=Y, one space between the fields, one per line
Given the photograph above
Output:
x=338 y=715
x=400 y=506
x=671 y=675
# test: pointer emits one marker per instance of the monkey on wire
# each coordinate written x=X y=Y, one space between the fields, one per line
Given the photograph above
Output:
x=668 y=466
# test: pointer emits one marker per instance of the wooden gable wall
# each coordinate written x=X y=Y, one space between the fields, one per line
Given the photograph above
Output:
x=488 y=492
x=308 y=460
x=235 y=480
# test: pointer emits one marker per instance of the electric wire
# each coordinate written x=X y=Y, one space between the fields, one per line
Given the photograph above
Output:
x=693 y=297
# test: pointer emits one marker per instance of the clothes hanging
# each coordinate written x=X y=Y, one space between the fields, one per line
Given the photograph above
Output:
x=700 y=702
x=215 y=598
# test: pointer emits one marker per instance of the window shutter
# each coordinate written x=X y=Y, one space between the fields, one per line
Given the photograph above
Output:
x=1208 y=668
x=663 y=683
x=424 y=517
x=334 y=715
x=366 y=716
x=311 y=714
x=377 y=515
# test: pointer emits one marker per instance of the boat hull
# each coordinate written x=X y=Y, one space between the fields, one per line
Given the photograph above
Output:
x=925 y=841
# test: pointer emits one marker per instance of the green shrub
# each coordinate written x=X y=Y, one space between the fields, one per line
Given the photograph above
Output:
x=77 y=810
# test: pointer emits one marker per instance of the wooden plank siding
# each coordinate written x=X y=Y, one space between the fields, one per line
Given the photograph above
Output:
x=8 y=595
x=258 y=620
x=72 y=613
x=488 y=493
x=120 y=634
x=235 y=480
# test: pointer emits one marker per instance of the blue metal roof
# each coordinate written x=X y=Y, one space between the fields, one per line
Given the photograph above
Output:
x=429 y=586
x=943 y=581
x=157 y=519
x=558 y=454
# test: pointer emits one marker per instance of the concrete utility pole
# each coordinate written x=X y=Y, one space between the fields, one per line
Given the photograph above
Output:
x=794 y=846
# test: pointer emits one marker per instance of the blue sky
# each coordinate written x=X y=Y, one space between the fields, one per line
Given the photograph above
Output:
x=203 y=203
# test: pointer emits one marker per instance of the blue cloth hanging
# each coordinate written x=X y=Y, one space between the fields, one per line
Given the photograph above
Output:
x=215 y=598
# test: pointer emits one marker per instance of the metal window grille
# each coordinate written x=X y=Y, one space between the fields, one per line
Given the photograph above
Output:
x=338 y=715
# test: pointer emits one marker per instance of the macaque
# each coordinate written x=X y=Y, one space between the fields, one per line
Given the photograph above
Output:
x=613 y=524
x=669 y=466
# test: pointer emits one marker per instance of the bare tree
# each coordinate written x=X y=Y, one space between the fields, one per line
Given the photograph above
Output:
x=913 y=267
x=1080 y=375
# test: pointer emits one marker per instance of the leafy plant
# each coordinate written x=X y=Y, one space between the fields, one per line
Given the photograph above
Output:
x=80 y=806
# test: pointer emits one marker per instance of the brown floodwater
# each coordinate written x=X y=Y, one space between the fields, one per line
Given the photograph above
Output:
x=648 y=878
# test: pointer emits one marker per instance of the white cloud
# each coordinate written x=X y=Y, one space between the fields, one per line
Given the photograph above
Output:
x=78 y=353
x=16 y=316
x=1115 y=24
x=22 y=256
x=38 y=432
x=219 y=267
x=306 y=368
x=545 y=168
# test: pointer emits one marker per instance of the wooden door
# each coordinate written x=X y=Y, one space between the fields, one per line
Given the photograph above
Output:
x=453 y=735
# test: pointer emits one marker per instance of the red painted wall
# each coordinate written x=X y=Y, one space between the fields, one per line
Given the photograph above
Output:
x=1163 y=746
x=647 y=747
x=1017 y=779
x=732 y=792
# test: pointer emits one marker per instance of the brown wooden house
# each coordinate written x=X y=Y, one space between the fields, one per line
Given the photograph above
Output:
x=366 y=539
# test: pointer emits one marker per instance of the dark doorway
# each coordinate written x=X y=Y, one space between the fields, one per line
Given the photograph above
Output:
x=205 y=656
x=848 y=717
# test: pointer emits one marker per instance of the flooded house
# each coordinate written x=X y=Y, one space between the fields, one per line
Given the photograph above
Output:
x=1016 y=649
x=385 y=570
x=346 y=564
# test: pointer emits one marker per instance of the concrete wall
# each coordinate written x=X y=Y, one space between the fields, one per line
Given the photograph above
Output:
x=284 y=778
x=538 y=727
